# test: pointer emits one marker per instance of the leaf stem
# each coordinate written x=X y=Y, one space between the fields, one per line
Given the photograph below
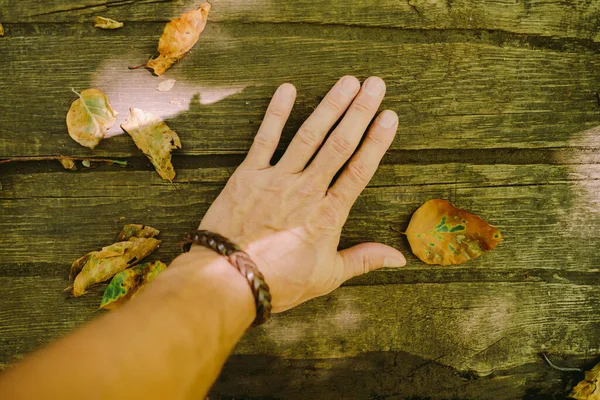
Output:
x=564 y=369
x=397 y=230
x=137 y=66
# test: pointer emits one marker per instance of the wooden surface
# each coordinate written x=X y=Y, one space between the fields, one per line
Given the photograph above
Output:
x=497 y=103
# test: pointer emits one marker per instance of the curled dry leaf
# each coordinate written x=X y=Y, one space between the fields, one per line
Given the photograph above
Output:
x=98 y=266
x=90 y=117
x=106 y=23
x=68 y=163
x=588 y=388
x=440 y=233
x=152 y=136
x=126 y=284
x=137 y=230
x=178 y=37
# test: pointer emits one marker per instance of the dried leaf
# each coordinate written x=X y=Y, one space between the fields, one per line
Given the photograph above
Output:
x=137 y=230
x=178 y=37
x=165 y=86
x=152 y=136
x=440 y=233
x=129 y=231
x=588 y=389
x=126 y=284
x=86 y=163
x=90 y=117
x=68 y=163
x=98 y=266
x=1 y=30
x=106 y=23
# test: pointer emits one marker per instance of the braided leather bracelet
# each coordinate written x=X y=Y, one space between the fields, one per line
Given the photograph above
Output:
x=242 y=262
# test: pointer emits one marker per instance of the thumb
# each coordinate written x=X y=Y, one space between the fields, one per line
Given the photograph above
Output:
x=366 y=257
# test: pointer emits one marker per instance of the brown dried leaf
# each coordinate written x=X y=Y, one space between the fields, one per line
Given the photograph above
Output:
x=152 y=136
x=106 y=23
x=77 y=265
x=99 y=266
x=178 y=37
x=137 y=230
x=68 y=163
x=440 y=233
x=90 y=117
x=588 y=388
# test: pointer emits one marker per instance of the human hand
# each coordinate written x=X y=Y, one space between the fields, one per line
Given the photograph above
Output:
x=288 y=217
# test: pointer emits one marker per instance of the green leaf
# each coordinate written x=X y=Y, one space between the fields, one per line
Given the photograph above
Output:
x=125 y=284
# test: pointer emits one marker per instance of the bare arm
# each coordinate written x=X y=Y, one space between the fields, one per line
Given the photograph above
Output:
x=170 y=343
x=172 y=340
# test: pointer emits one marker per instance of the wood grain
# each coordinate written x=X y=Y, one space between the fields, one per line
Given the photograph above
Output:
x=548 y=214
x=495 y=98
x=451 y=91
x=383 y=375
x=576 y=18
x=482 y=327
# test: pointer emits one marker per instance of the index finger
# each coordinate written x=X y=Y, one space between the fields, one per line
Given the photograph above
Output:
x=266 y=140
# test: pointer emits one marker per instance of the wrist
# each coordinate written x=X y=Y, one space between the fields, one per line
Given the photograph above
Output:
x=241 y=261
x=208 y=284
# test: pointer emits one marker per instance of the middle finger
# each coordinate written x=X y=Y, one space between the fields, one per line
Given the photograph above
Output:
x=347 y=135
x=313 y=131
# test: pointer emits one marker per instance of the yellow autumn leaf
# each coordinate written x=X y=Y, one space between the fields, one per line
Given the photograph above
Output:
x=178 y=37
x=90 y=117
x=152 y=136
x=106 y=23
x=99 y=266
x=1 y=30
x=68 y=163
x=135 y=243
x=588 y=389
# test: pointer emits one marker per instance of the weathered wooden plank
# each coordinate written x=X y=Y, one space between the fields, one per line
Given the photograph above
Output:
x=548 y=213
x=385 y=375
x=450 y=91
x=479 y=327
x=576 y=18
x=432 y=334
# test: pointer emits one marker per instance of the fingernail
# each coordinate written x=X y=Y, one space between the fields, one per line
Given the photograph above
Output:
x=349 y=86
x=388 y=119
x=394 y=262
x=374 y=86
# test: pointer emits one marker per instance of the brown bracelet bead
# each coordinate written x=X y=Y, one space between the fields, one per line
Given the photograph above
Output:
x=242 y=262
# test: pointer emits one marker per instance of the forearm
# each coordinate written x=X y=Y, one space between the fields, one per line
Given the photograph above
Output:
x=170 y=342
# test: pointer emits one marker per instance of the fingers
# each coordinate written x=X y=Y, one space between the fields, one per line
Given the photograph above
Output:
x=267 y=138
x=315 y=128
x=366 y=257
x=361 y=168
x=343 y=140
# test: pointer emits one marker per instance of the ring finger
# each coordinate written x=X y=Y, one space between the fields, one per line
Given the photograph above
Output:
x=345 y=138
